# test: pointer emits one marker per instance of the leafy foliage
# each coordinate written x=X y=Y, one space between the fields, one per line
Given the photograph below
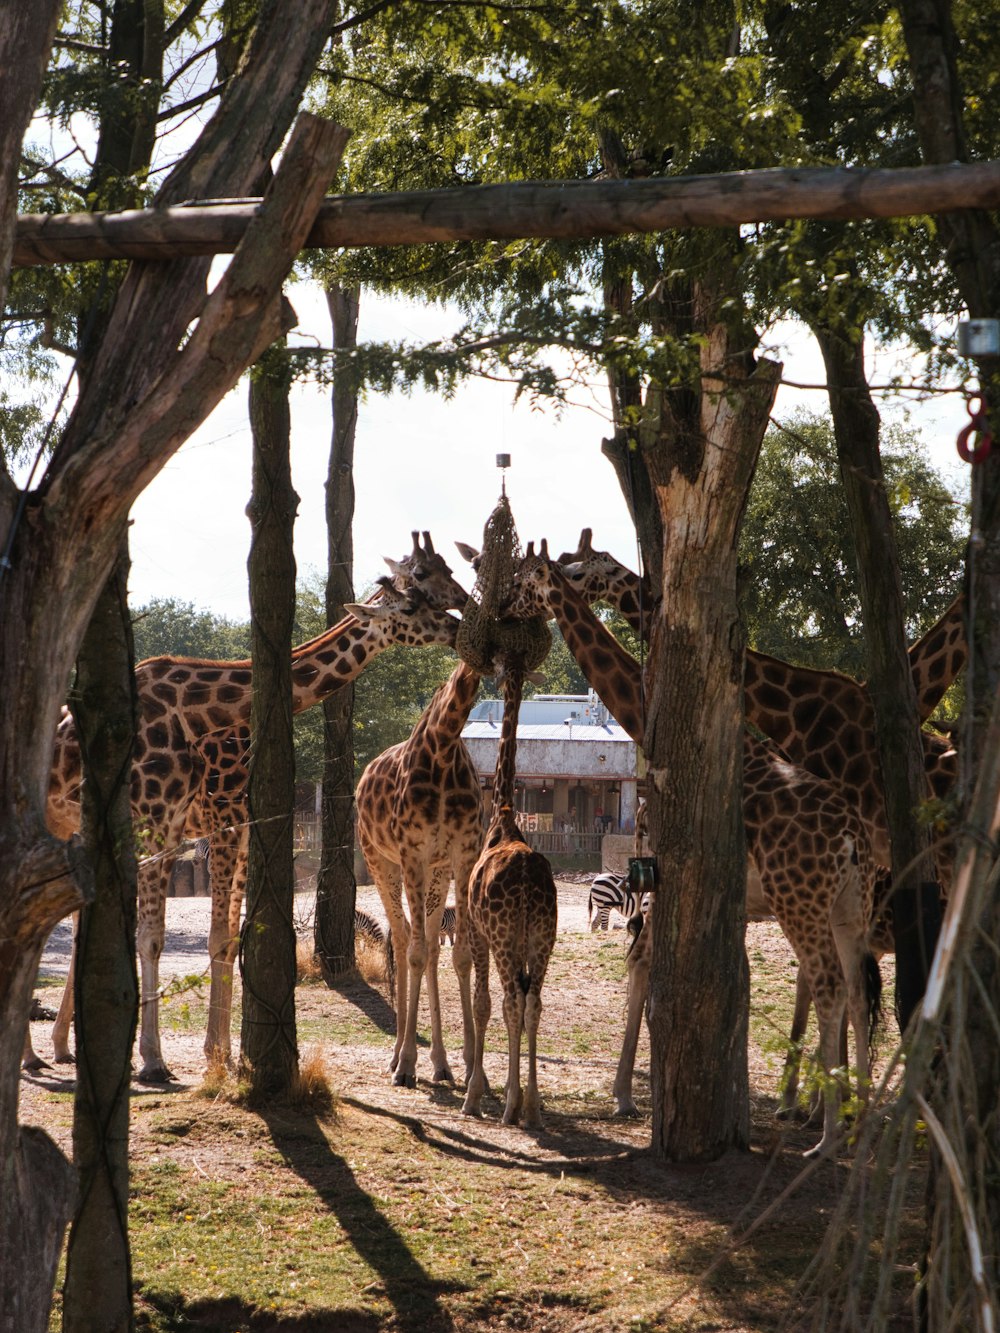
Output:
x=799 y=591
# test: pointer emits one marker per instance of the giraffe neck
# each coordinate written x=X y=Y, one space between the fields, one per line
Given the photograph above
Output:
x=936 y=657
x=448 y=711
x=503 y=782
x=629 y=594
x=612 y=672
x=212 y=696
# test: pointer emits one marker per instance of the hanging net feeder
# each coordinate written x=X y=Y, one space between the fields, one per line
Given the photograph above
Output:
x=485 y=634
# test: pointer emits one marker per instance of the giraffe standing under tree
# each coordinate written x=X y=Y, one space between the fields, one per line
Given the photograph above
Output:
x=187 y=707
x=513 y=913
x=793 y=820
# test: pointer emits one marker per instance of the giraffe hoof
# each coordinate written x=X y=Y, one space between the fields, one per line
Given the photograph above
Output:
x=34 y=1065
x=628 y=1112
x=402 y=1080
x=64 y=1059
x=443 y=1076
x=156 y=1075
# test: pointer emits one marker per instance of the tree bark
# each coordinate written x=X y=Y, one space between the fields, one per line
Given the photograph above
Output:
x=916 y=893
x=267 y=940
x=38 y=885
x=98 y=1287
x=565 y=209
x=335 y=886
x=151 y=384
x=26 y=35
x=701 y=466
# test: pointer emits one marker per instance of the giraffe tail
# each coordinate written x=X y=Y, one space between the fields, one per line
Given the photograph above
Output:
x=873 y=1000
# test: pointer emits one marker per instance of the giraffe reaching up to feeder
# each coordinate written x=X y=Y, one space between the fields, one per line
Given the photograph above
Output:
x=419 y=823
x=823 y=720
x=185 y=706
x=810 y=866
x=512 y=910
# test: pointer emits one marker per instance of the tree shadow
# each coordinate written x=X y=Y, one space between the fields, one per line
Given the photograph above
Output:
x=413 y=1293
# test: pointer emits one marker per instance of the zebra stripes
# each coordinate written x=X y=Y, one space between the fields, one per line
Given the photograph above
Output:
x=367 y=928
x=448 y=925
x=609 y=892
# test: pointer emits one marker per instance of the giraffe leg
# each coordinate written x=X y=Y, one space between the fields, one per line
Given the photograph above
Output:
x=863 y=995
x=532 y=1018
x=417 y=953
x=638 y=990
x=461 y=961
x=437 y=894
x=793 y=1060
x=513 y=1017
x=222 y=945
x=476 y=1083
x=154 y=877
x=61 y=1052
x=829 y=998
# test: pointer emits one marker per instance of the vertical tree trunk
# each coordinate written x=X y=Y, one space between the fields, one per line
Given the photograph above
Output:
x=916 y=894
x=701 y=465
x=98 y=1289
x=267 y=942
x=335 y=887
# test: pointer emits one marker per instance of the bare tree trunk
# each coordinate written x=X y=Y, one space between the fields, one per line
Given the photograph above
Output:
x=98 y=1288
x=335 y=887
x=267 y=941
x=916 y=893
x=701 y=464
x=37 y=1184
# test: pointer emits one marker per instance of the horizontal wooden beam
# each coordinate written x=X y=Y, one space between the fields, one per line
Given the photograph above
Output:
x=565 y=210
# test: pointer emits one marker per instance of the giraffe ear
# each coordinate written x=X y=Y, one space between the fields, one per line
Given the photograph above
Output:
x=468 y=553
x=395 y=566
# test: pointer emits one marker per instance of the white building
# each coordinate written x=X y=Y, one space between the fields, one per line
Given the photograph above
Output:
x=577 y=770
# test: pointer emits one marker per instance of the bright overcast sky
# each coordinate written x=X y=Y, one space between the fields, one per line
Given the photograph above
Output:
x=421 y=462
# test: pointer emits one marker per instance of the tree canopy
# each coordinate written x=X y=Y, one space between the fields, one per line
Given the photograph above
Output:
x=799 y=588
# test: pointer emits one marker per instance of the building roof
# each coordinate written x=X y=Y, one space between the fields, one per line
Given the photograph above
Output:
x=610 y=734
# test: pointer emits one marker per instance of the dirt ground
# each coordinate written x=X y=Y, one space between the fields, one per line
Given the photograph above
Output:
x=628 y=1198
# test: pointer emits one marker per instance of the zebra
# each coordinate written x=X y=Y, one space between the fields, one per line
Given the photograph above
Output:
x=612 y=891
x=366 y=927
x=448 y=925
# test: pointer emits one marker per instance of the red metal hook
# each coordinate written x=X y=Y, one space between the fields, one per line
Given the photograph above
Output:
x=979 y=426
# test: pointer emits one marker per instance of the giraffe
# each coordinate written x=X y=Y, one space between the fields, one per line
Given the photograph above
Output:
x=419 y=822
x=822 y=720
x=219 y=810
x=810 y=865
x=512 y=911
x=185 y=706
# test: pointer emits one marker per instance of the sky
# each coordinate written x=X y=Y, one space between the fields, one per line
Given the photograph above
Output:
x=423 y=462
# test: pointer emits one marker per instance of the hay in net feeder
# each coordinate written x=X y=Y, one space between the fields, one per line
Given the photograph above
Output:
x=485 y=634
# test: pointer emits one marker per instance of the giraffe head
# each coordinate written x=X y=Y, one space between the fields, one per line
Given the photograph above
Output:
x=533 y=584
x=598 y=576
x=426 y=571
x=406 y=617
